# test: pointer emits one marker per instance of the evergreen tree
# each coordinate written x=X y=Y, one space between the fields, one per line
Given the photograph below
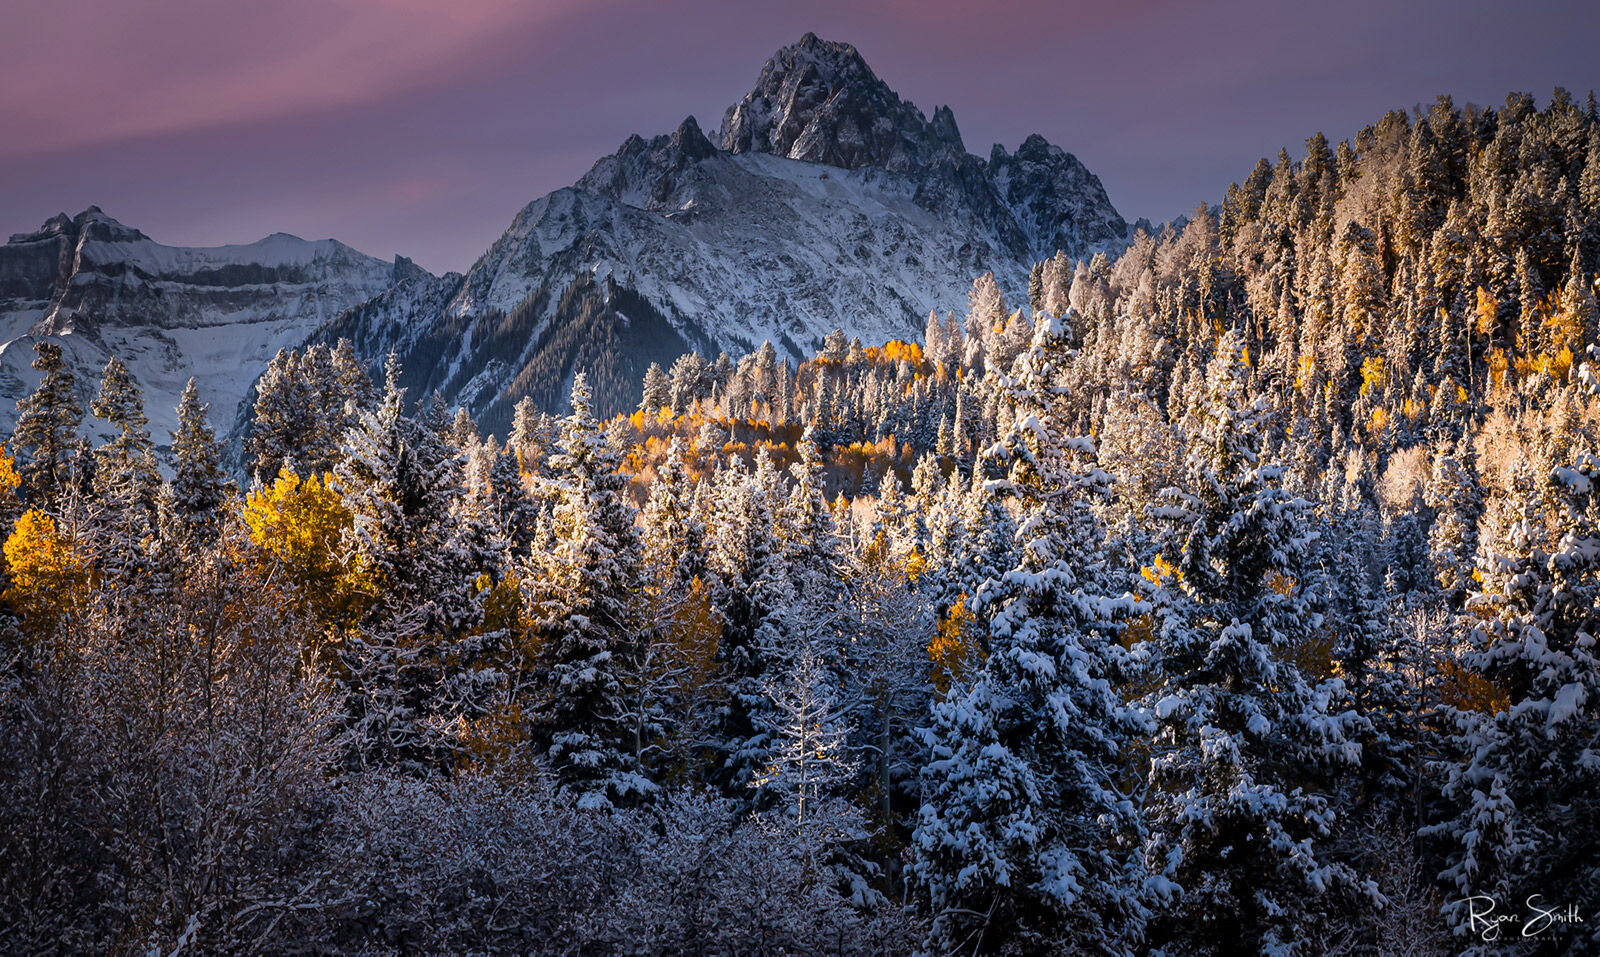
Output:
x=45 y=438
x=199 y=487
x=1028 y=835
x=581 y=600
x=284 y=417
x=1246 y=744
x=754 y=595
x=1456 y=498
x=657 y=390
x=123 y=470
x=398 y=482
x=1524 y=765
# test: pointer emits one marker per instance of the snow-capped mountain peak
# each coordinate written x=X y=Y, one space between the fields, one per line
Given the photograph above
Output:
x=825 y=201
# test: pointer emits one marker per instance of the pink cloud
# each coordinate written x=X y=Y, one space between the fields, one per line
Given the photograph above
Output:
x=78 y=72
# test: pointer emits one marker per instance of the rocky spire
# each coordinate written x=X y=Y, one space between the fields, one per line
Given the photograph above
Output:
x=819 y=101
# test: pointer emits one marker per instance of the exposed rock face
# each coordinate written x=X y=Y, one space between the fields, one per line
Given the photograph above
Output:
x=170 y=312
x=1055 y=200
x=830 y=203
x=819 y=102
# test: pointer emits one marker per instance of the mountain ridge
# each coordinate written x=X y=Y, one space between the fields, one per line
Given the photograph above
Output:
x=824 y=200
x=218 y=313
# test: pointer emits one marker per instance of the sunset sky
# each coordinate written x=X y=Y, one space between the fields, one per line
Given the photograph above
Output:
x=420 y=128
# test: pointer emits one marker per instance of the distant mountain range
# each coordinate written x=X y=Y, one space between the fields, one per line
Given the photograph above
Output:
x=824 y=201
x=170 y=312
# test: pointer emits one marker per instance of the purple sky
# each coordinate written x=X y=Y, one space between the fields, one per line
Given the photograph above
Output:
x=421 y=127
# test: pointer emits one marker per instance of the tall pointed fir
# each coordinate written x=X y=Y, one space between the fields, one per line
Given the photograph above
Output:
x=402 y=658
x=989 y=549
x=1523 y=768
x=126 y=481
x=1455 y=496
x=581 y=600
x=1029 y=835
x=811 y=550
x=753 y=593
x=1247 y=745
x=674 y=536
x=1370 y=657
x=45 y=438
x=669 y=679
x=284 y=415
x=199 y=487
x=124 y=470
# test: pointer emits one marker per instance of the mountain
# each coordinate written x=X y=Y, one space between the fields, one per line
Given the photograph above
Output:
x=170 y=312
x=824 y=201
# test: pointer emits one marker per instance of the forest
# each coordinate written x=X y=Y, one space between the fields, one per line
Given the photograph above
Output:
x=1237 y=593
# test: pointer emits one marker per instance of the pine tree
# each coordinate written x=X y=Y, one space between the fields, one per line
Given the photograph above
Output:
x=1036 y=288
x=45 y=439
x=754 y=595
x=122 y=471
x=1524 y=766
x=1580 y=316
x=398 y=481
x=1028 y=835
x=1246 y=745
x=674 y=534
x=525 y=433
x=1456 y=498
x=657 y=390
x=198 y=484
x=581 y=600
x=283 y=416
x=1369 y=656
x=811 y=541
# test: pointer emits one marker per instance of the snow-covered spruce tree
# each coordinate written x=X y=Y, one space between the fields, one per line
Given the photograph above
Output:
x=1029 y=839
x=45 y=438
x=990 y=547
x=1457 y=500
x=657 y=390
x=1523 y=770
x=398 y=481
x=670 y=679
x=126 y=483
x=283 y=416
x=503 y=496
x=1366 y=644
x=818 y=615
x=199 y=487
x=674 y=535
x=811 y=542
x=124 y=469
x=754 y=597
x=581 y=599
x=1247 y=744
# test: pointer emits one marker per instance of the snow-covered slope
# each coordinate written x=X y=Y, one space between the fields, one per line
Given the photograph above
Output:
x=101 y=288
x=824 y=201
